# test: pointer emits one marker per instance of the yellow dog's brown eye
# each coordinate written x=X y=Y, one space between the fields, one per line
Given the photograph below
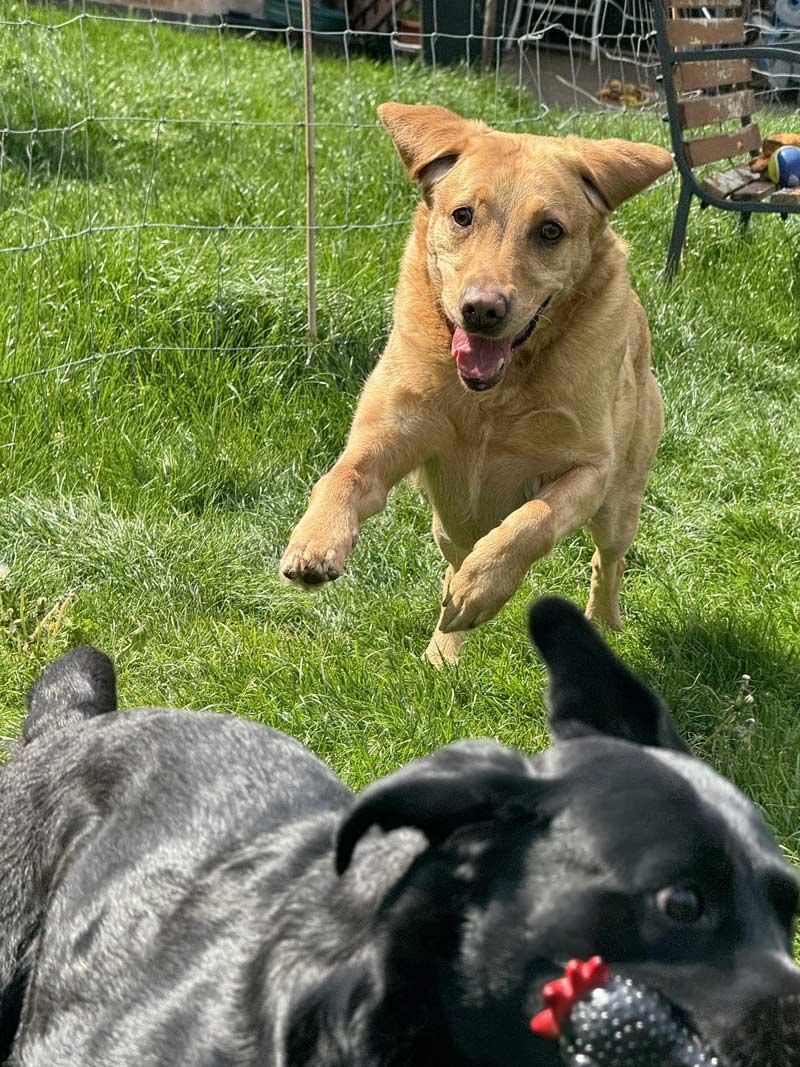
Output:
x=462 y=216
x=682 y=904
x=551 y=232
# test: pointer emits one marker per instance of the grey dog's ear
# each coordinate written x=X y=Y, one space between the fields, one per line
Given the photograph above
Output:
x=590 y=690
x=75 y=687
x=467 y=782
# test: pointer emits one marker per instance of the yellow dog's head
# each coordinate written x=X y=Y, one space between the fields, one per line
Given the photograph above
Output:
x=513 y=220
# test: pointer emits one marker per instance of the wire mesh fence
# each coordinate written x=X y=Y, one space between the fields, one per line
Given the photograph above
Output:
x=152 y=162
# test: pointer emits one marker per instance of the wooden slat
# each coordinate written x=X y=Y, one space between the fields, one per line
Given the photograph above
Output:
x=786 y=196
x=700 y=112
x=754 y=191
x=689 y=76
x=687 y=33
x=722 y=146
x=727 y=181
x=369 y=12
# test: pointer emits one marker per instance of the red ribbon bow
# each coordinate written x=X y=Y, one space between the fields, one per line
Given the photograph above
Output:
x=561 y=994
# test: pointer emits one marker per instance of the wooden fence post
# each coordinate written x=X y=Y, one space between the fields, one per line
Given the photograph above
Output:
x=311 y=234
x=489 y=33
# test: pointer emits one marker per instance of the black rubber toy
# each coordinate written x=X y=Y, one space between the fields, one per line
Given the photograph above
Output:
x=620 y=1024
x=601 y=1020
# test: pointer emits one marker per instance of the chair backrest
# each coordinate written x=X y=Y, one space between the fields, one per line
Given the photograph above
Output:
x=705 y=92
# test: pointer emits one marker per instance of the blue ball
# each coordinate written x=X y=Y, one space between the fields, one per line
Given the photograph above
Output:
x=784 y=167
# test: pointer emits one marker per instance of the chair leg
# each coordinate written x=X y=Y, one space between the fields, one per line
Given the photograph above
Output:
x=679 y=230
x=744 y=221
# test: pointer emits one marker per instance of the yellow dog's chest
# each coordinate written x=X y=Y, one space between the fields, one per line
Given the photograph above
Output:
x=474 y=487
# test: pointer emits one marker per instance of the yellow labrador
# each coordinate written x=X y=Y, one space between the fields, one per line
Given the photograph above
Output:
x=516 y=384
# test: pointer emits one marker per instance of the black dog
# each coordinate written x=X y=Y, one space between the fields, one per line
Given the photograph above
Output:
x=194 y=890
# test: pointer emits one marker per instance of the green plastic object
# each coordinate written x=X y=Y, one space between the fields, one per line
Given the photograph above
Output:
x=283 y=13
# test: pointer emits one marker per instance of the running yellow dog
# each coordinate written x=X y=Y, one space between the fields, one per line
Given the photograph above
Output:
x=516 y=385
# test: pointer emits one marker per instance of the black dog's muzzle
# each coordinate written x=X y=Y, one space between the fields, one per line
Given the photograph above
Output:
x=768 y=1037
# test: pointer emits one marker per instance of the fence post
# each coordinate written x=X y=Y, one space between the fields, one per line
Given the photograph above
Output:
x=311 y=235
x=489 y=32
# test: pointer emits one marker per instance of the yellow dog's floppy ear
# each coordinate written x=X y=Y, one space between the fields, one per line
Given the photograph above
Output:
x=429 y=139
x=614 y=170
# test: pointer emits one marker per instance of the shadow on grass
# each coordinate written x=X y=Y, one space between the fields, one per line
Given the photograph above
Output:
x=702 y=661
x=58 y=152
x=733 y=686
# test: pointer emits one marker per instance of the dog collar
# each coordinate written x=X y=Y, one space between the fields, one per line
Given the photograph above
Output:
x=561 y=994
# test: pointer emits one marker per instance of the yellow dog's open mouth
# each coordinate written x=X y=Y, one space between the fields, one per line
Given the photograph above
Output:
x=483 y=361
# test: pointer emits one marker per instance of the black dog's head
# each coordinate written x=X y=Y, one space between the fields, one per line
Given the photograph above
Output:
x=615 y=842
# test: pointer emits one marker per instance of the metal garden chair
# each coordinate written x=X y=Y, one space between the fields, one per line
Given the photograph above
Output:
x=706 y=70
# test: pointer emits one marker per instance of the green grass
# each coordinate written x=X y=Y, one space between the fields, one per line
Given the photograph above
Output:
x=155 y=489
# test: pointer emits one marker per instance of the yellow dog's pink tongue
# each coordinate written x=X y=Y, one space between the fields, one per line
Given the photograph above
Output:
x=479 y=357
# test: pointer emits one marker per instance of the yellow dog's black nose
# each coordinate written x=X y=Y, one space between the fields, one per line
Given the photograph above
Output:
x=483 y=307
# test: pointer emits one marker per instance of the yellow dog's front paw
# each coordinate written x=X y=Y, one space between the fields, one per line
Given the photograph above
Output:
x=475 y=594
x=310 y=565
x=443 y=649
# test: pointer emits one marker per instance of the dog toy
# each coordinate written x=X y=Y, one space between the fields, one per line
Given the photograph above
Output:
x=600 y=1019
x=771 y=145
x=784 y=167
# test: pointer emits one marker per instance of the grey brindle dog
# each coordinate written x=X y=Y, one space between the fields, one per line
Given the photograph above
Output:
x=187 y=889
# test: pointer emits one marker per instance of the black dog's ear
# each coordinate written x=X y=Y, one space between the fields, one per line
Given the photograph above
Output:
x=75 y=687
x=590 y=690
x=467 y=782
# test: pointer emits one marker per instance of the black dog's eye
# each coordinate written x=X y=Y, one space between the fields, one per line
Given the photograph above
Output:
x=551 y=232
x=680 y=904
x=462 y=216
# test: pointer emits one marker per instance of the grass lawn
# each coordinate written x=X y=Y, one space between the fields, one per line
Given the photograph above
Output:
x=146 y=496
